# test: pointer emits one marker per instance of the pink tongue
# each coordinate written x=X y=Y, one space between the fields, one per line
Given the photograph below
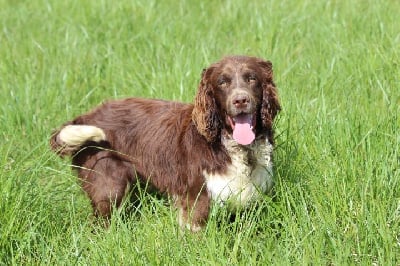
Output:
x=242 y=132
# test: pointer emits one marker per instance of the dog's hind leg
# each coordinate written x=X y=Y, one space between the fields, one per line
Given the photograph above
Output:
x=106 y=179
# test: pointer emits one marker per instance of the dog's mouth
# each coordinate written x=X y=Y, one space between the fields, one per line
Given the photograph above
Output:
x=243 y=128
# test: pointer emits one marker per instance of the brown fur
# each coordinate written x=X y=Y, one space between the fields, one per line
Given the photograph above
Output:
x=170 y=144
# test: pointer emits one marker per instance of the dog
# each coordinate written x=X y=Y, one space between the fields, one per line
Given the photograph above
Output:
x=218 y=149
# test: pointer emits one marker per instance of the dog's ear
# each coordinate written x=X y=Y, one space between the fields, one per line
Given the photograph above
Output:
x=270 y=104
x=205 y=113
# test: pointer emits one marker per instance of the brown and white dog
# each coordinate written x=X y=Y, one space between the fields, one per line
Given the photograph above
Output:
x=217 y=149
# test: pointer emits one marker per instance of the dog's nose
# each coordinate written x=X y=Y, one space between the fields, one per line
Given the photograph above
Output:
x=241 y=101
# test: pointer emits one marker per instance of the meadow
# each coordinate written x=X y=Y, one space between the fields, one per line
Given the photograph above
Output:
x=337 y=155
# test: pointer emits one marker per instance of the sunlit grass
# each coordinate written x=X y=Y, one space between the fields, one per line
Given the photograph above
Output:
x=337 y=68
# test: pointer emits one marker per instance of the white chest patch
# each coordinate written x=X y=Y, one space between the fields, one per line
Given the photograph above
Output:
x=247 y=177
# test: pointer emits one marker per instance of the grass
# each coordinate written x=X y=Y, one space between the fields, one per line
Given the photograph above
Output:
x=337 y=67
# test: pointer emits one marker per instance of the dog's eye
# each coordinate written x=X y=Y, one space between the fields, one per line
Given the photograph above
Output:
x=251 y=78
x=222 y=81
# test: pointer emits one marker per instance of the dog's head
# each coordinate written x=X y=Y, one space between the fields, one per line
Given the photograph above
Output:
x=236 y=95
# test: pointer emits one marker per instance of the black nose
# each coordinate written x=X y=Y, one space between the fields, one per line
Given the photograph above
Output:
x=241 y=101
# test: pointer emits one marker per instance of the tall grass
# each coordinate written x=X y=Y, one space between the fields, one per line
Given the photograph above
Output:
x=337 y=67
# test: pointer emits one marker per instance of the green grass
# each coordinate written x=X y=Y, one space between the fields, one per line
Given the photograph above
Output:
x=337 y=67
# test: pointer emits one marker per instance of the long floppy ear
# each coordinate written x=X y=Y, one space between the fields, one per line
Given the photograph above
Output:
x=270 y=104
x=205 y=113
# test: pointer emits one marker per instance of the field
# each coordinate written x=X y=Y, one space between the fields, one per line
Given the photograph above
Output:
x=337 y=160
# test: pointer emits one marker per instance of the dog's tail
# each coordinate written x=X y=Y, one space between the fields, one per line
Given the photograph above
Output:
x=71 y=138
